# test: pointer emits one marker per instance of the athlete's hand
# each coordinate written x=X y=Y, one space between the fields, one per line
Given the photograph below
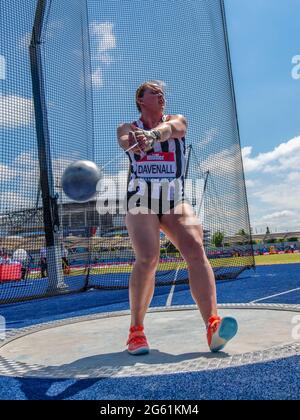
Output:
x=145 y=138
x=132 y=140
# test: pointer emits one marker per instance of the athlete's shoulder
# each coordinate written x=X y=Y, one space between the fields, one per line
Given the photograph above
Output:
x=124 y=125
x=124 y=128
x=177 y=117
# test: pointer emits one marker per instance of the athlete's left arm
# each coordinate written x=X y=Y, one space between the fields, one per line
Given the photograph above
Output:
x=174 y=128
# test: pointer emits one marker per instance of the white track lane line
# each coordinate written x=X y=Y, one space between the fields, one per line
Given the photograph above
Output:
x=170 y=297
x=278 y=294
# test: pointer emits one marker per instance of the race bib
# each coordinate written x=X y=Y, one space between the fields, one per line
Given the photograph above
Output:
x=157 y=165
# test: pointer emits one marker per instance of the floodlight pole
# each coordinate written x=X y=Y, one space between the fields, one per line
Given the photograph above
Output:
x=49 y=197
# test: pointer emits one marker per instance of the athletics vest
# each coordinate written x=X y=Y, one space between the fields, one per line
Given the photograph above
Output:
x=166 y=161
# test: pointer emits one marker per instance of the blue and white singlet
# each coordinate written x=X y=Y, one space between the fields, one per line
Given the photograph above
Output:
x=165 y=164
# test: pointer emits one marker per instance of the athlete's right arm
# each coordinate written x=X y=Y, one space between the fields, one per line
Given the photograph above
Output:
x=126 y=138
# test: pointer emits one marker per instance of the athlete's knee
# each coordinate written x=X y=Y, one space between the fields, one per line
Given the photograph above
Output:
x=148 y=260
x=193 y=250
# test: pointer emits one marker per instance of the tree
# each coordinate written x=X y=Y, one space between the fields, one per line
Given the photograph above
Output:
x=245 y=236
x=217 y=239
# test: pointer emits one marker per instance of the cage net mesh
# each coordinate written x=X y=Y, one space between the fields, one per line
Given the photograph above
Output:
x=87 y=62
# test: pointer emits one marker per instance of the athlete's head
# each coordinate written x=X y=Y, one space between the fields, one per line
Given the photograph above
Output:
x=150 y=94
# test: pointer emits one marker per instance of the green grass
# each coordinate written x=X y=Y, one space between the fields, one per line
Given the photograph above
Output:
x=218 y=262
x=277 y=259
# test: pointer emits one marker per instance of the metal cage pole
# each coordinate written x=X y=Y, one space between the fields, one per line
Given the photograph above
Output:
x=49 y=197
x=230 y=72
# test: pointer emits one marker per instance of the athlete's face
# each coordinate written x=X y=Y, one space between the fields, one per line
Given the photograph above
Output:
x=153 y=98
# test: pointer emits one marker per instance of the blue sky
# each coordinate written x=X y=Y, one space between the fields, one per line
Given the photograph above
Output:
x=138 y=44
x=264 y=38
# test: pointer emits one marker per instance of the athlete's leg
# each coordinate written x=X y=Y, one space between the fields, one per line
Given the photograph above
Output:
x=183 y=229
x=144 y=232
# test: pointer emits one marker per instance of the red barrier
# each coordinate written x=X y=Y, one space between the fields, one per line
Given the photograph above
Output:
x=10 y=272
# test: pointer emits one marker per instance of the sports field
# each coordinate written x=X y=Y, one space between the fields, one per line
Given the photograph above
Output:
x=216 y=263
x=277 y=259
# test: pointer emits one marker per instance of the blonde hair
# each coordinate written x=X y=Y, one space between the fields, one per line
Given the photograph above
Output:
x=149 y=84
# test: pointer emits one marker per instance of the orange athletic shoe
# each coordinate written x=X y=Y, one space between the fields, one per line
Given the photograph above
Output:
x=137 y=341
x=220 y=331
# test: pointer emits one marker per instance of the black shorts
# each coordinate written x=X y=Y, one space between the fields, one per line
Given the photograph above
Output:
x=149 y=205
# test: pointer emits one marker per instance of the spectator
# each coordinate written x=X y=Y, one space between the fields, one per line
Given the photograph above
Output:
x=21 y=256
x=65 y=261
x=43 y=262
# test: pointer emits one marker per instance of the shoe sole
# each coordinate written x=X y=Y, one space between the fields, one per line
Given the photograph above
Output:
x=140 y=351
x=227 y=330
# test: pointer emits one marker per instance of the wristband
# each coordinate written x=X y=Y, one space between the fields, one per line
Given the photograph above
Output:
x=156 y=134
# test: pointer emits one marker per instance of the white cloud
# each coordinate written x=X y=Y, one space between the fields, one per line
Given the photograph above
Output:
x=284 y=157
x=27 y=159
x=280 y=195
x=25 y=40
x=19 y=183
x=97 y=78
x=277 y=222
x=250 y=183
x=2 y=67
x=24 y=173
x=278 y=215
x=24 y=168
x=273 y=179
x=105 y=38
x=6 y=173
x=11 y=201
x=294 y=177
x=224 y=162
x=15 y=111
x=209 y=136
x=103 y=41
x=106 y=59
